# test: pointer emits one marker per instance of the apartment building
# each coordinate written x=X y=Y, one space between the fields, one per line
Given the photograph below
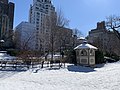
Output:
x=39 y=11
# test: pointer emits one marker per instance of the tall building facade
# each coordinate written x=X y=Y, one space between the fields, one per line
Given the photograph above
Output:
x=6 y=21
x=25 y=36
x=37 y=15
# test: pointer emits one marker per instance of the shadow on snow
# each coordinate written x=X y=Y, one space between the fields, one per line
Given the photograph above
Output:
x=14 y=70
x=74 y=68
x=100 y=65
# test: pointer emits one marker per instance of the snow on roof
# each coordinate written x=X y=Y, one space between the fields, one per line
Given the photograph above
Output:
x=85 y=46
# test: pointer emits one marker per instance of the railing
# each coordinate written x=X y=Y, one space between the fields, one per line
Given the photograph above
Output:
x=18 y=63
x=26 y=64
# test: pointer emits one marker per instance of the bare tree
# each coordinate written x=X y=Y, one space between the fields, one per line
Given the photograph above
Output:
x=26 y=42
x=76 y=34
x=98 y=42
x=64 y=38
x=113 y=23
x=54 y=21
x=107 y=43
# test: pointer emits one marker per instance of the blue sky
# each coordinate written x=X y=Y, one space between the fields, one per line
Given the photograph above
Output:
x=83 y=14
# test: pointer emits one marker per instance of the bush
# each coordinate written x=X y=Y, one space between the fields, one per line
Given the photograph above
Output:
x=71 y=56
x=99 y=57
x=113 y=56
x=13 y=52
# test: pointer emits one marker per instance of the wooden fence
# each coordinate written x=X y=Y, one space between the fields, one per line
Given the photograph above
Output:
x=20 y=63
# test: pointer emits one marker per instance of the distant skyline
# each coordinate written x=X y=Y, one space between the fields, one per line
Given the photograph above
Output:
x=83 y=14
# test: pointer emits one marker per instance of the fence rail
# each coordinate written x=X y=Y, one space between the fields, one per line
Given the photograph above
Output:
x=28 y=63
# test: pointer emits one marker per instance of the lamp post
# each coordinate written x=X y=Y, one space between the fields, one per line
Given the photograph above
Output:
x=1 y=44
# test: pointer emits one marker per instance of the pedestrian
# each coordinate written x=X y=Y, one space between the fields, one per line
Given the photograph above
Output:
x=42 y=64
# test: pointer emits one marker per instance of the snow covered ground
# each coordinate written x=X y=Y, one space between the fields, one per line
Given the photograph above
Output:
x=69 y=78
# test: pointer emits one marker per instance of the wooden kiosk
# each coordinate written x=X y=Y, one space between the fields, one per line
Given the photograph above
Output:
x=85 y=54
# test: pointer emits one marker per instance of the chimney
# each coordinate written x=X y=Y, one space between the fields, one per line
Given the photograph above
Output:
x=101 y=25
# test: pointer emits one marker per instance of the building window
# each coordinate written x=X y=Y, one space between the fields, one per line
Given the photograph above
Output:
x=37 y=8
x=38 y=13
x=37 y=19
x=41 y=10
x=91 y=52
x=40 y=5
x=37 y=28
x=77 y=53
x=46 y=11
x=83 y=52
x=37 y=22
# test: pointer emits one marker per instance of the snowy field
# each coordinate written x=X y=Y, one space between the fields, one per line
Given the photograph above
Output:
x=72 y=77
